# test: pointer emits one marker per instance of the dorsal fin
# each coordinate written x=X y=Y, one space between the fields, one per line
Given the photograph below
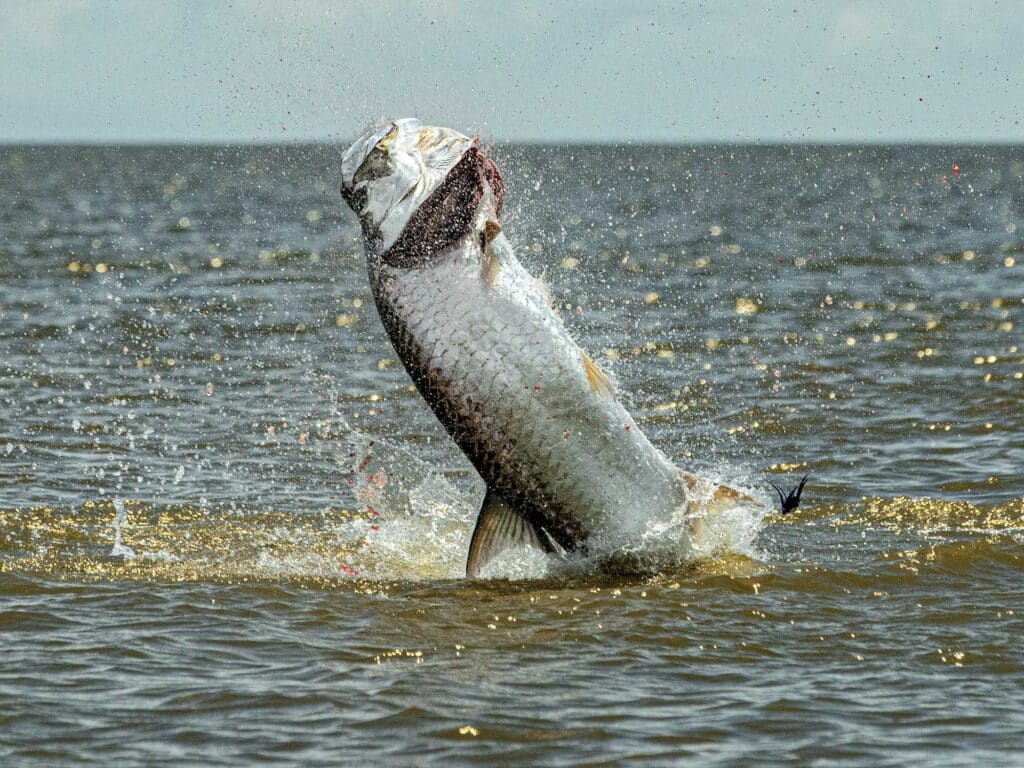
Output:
x=598 y=379
x=498 y=528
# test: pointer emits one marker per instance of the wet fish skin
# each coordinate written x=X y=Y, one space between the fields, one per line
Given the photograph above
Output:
x=500 y=371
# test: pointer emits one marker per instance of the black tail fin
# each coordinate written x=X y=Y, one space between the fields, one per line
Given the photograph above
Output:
x=791 y=500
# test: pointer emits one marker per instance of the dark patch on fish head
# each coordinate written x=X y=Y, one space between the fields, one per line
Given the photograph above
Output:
x=448 y=214
x=417 y=190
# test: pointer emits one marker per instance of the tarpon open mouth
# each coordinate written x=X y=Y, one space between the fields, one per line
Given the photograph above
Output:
x=416 y=188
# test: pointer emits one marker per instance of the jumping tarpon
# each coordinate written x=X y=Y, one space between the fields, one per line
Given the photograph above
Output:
x=567 y=468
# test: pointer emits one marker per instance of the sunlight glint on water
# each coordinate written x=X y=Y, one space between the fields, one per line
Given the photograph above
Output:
x=767 y=311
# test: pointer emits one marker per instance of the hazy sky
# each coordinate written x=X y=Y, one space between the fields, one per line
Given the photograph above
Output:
x=175 y=70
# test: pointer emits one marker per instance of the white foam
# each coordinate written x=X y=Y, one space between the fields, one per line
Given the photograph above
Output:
x=419 y=525
x=518 y=563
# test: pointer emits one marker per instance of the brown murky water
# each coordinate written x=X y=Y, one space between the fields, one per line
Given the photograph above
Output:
x=191 y=370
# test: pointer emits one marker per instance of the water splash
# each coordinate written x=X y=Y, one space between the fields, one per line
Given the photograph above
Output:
x=414 y=516
x=421 y=522
x=190 y=543
x=120 y=549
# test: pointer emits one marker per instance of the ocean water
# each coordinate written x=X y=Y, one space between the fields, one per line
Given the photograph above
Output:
x=230 y=533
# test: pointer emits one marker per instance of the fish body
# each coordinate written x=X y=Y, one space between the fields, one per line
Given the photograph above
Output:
x=567 y=468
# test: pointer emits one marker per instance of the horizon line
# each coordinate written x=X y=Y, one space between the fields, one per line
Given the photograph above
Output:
x=329 y=142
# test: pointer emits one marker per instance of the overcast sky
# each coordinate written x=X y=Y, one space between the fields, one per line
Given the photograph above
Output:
x=723 y=70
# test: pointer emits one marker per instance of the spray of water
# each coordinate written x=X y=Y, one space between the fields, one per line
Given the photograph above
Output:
x=120 y=549
x=416 y=524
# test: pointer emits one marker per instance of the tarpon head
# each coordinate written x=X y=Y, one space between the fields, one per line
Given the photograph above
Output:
x=416 y=189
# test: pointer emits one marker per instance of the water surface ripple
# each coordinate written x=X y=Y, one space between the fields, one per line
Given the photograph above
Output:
x=190 y=359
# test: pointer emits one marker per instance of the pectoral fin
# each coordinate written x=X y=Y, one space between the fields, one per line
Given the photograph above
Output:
x=498 y=528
